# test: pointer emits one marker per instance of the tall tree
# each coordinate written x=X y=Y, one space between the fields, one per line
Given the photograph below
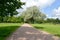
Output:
x=33 y=13
x=8 y=7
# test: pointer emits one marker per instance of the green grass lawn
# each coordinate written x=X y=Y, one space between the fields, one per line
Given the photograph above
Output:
x=50 y=28
x=7 y=28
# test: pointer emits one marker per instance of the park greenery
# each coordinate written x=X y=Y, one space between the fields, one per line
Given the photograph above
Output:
x=53 y=29
x=8 y=8
x=7 y=28
x=32 y=15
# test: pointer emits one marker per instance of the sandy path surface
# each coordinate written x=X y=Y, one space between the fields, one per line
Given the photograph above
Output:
x=27 y=32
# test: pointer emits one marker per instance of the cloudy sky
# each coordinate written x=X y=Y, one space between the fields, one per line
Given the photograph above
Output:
x=50 y=7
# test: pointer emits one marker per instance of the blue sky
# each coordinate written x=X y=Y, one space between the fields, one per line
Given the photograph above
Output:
x=50 y=7
x=49 y=10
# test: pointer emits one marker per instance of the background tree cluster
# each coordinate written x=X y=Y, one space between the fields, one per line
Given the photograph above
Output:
x=11 y=20
x=51 y=20
x=33 y=14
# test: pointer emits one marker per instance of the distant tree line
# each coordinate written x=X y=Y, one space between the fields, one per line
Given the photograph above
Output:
x=11 y=20
x=52 y=20
x=21 y=20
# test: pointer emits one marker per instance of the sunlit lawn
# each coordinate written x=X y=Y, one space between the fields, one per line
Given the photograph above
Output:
x=51 y=28
x=7 y=28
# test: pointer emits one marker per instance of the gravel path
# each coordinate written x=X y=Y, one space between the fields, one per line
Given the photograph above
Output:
x=26 y=32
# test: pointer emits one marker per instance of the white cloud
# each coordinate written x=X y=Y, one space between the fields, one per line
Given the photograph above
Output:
x=41 y=3
x=56 y=12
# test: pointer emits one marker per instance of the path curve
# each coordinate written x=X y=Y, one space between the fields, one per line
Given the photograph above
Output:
x=27 y=32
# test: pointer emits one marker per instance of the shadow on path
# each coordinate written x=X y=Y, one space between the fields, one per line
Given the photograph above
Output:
x=29 y=33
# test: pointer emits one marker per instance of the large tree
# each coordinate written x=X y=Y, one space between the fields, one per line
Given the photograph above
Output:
x=32 y=14
x=8 y=7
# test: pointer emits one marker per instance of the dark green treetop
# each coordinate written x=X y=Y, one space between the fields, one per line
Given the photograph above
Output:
x=8 y=7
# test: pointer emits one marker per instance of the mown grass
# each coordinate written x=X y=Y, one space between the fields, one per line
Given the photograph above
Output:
x=51 y=28
x=7 y=28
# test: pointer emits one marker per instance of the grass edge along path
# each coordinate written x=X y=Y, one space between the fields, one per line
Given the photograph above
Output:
x=50 y=28
x=7 y=28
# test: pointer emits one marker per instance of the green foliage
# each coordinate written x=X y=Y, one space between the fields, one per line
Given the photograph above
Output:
x=11 y=20
x=51 y=20
x=8 y=7
x=7 y=28
x=20 y=19
x=33 y=14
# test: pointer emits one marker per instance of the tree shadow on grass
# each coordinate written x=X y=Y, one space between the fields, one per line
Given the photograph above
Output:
x=37 y=27
x=57 y=35
x=6 y=31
